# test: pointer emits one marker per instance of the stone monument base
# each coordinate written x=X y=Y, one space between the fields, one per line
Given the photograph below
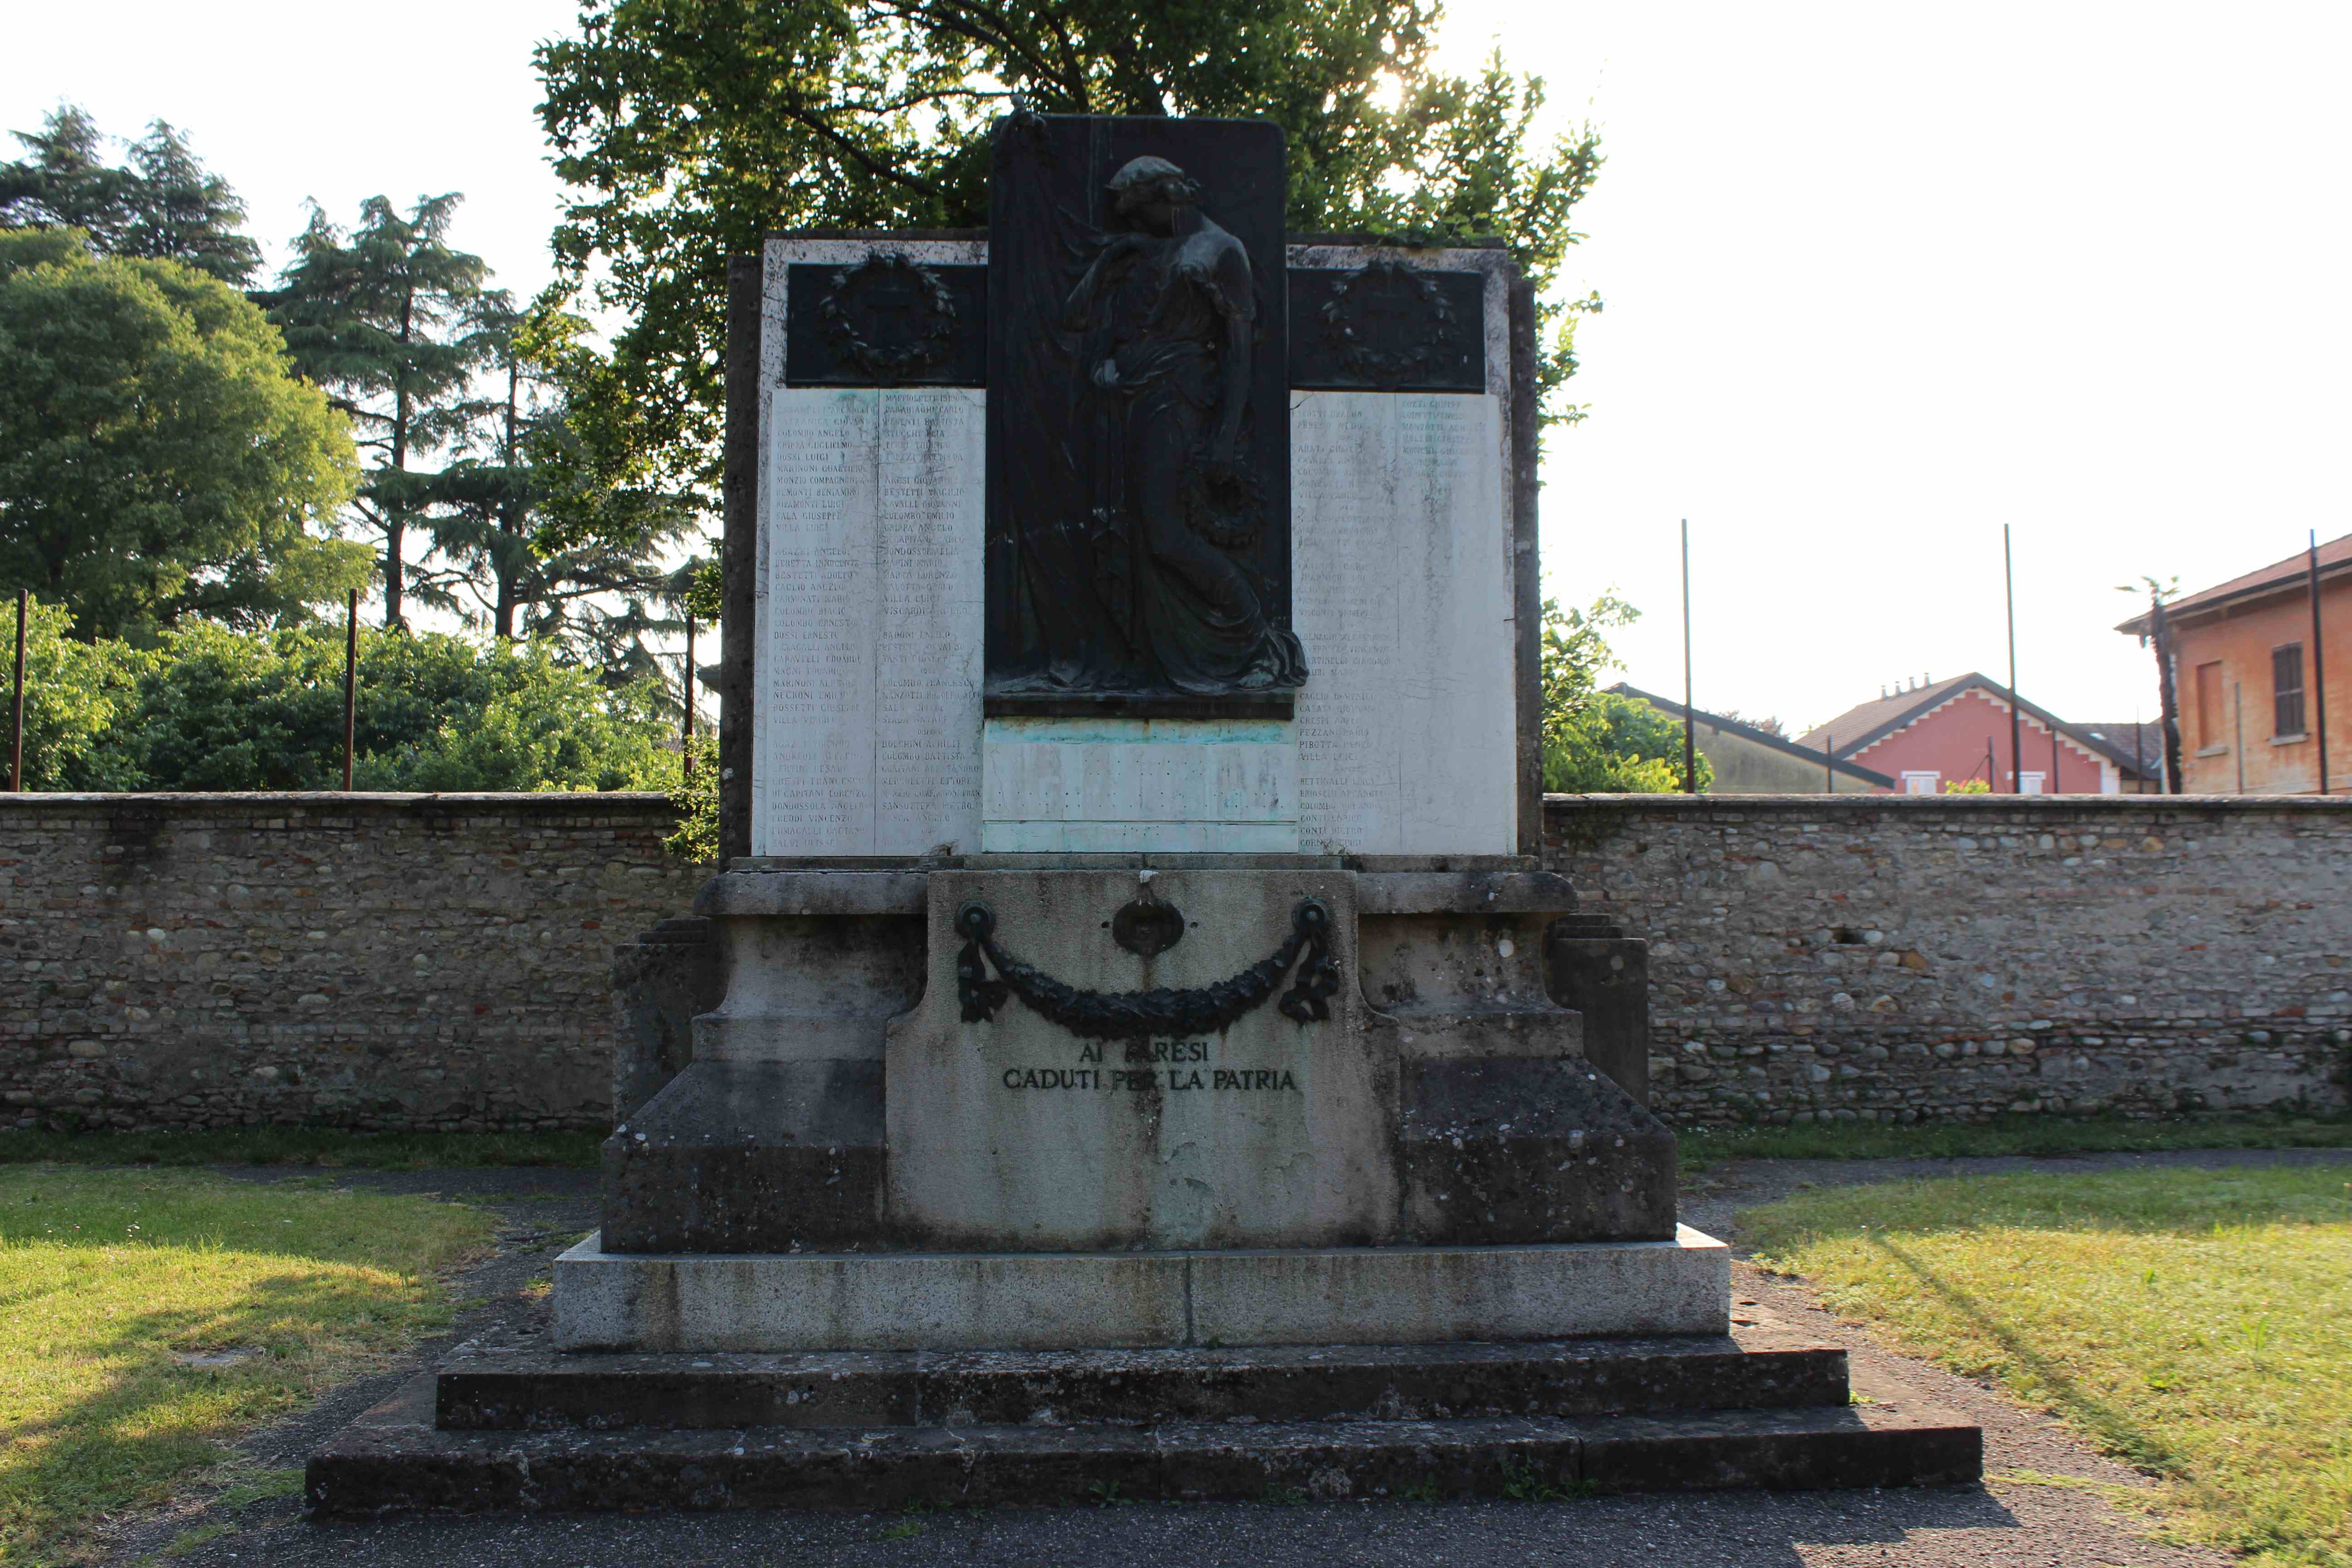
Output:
x=1037 y=1301
x=507 y=1426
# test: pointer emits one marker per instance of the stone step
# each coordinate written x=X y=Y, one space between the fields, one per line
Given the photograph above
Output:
x=394 y=1459
x=1762 y=1368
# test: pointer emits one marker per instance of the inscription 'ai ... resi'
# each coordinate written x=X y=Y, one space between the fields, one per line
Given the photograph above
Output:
x=1162 y=1064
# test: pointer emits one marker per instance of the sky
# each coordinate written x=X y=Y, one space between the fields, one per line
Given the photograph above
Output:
x=1878 y=280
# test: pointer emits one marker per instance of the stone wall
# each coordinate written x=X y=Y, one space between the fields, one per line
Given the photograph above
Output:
x=1899 y=958
x=445 y=960
x=438 y=961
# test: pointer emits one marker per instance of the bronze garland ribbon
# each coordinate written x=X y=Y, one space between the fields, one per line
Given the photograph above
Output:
x=1133 y=1015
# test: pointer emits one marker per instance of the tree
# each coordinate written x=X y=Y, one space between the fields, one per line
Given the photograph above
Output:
x=388 y=318
x=215 y=709
x=695 y=126
x=157 y=458
x=1596 y=741
x=598 y=597
x=77 y=694
x=166 y=206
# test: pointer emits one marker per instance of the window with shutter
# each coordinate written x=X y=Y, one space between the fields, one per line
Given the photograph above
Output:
x=2286 y=689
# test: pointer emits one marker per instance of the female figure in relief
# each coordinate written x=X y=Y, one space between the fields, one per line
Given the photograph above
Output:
x=1166 y=315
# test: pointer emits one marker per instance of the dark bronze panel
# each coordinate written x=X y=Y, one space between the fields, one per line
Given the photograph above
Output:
x=889 y=320
x=1387 y=327
x=1138 y=428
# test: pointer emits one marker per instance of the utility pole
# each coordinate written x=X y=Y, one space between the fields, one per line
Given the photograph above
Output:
x=1690 y=714
x=1829 y=763
x=2238 y=720
x=686 y=736
x=2164 y=692
x=2016 y=723
x=351 y=682
x=2318 y=667
x=17 y=711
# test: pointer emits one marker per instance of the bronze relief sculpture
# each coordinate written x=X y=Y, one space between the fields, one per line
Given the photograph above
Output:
x=1139 y=532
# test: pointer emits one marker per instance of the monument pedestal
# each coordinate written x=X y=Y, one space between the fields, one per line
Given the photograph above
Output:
x=1151 y=1061
x=901 y=1232
x=1056 y=1301
x=507 y=1426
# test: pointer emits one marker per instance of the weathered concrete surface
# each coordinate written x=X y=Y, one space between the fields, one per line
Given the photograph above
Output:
x=1013 y=1132
x=661 y=982
x=1899 y=958
x=881 y=1300
x=394 y=1460
x=1765 y=1366
x=1427 y=1295
x=1055 y=1300
x=1514 y=1149
x=364 y=961
x=750 y=1157
x=1593 y=968
x=817 y=987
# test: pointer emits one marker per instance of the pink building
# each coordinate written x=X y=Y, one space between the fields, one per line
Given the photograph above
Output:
x=1945 y=731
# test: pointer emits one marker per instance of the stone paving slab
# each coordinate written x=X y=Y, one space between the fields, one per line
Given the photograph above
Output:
x=394 y=1458
x=1762 y=1364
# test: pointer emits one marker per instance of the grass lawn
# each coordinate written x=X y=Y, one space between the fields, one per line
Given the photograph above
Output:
x=2196 y=1324
x=112 y=1282
x=322 y=1146
x=1700 y=1147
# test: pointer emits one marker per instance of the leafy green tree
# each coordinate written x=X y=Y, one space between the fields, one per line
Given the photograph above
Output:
x=599 y=596
x=157 y=459
x=551 y=726
x=77 y=693
x=1597 y=742
x=218 y=711
x=696 y=795
x=164 y=205
x=389 y=320
x=693 y=126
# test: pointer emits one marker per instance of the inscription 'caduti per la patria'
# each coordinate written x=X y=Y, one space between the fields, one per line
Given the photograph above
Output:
x=1147 y=1065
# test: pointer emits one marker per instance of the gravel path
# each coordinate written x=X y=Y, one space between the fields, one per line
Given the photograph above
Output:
x=2004 y=1523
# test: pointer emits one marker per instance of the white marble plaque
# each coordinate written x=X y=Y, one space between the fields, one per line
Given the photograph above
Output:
x=866 y=721
x=866 y=715
x=1121 y=786
x=1400 y=592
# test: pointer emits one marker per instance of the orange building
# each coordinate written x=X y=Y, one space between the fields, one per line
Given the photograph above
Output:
x=2246 y=683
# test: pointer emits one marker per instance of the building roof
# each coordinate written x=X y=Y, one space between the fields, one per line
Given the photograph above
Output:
x=1862 y=727
x=1875 y=721
x=2141 y=740
x=2279 y=576
x=1747 y=732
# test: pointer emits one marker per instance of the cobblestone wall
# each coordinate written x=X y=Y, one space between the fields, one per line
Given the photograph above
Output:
x=438 y=961
x=1895 y=958
x=446 y=962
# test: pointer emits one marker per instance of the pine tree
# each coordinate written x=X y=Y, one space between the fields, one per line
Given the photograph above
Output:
x=387 y=318
x=523 y=466
x=185 y=212
x=164 y=205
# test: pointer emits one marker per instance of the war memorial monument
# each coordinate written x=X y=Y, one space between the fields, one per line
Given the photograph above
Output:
x=1137 y=1052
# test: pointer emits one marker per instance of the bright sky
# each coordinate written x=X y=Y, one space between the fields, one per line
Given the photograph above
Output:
x=1880 y=278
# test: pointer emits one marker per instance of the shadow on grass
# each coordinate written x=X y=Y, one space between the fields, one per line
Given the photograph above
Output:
x=152 y=1421
x=2113 y=1429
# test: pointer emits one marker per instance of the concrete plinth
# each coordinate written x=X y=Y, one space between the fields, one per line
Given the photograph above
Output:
x=930 y=1300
